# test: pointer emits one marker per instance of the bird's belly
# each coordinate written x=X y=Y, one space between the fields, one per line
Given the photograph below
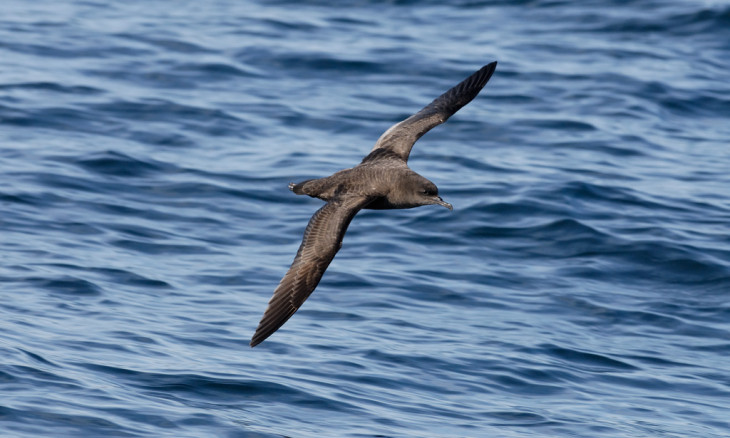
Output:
x=384 y=204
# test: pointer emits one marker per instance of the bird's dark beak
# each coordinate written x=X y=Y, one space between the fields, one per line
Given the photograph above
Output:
x=440 y=201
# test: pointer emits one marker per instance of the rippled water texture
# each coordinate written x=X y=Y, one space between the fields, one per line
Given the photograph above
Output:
x=580 y=288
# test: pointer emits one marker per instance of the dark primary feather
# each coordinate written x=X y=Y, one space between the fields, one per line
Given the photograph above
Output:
x=401 y=137
x=322 y=239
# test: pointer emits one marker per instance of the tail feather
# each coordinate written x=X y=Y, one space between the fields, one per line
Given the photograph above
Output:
x=298 y=188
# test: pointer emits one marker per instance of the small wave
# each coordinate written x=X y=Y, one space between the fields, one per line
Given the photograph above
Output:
x=118 y=164
x=66 y=285
x=586 y=361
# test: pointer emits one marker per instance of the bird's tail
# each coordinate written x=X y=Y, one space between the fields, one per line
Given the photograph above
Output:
x=298 y=188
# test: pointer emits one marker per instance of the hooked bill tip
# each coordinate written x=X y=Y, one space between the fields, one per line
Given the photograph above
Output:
x=445 y=204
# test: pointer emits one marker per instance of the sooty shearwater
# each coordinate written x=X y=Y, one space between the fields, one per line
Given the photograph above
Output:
x=382 y=180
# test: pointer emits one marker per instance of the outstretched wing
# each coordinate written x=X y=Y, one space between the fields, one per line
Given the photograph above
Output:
x=322 y=239
x=401 y=137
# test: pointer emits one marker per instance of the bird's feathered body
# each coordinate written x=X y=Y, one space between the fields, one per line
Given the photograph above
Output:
x=382 y=180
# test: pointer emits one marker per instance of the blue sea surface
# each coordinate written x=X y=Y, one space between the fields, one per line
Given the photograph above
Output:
x=580 y=287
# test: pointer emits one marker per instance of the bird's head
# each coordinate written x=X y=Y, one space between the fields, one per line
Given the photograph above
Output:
x=424 y=192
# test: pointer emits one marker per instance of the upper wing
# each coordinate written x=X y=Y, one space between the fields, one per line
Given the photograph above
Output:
x=322 y=239
x=401 y=137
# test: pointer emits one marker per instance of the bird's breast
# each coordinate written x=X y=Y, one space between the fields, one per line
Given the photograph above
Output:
x=380 y=204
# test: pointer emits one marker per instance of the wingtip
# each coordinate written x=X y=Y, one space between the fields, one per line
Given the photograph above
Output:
x=256 y=339
x=489 y=69
x=260 y=336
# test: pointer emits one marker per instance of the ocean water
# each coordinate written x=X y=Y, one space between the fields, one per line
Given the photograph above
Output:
x=580 y=287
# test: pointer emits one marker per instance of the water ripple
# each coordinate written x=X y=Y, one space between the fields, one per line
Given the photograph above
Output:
x=579 y=288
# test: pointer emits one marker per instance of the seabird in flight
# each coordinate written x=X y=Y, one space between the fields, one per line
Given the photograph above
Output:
x=382 y=180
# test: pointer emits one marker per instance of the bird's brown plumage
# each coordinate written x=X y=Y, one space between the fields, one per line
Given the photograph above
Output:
x=322 y=239
x=381 y=181
x=401 y=137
